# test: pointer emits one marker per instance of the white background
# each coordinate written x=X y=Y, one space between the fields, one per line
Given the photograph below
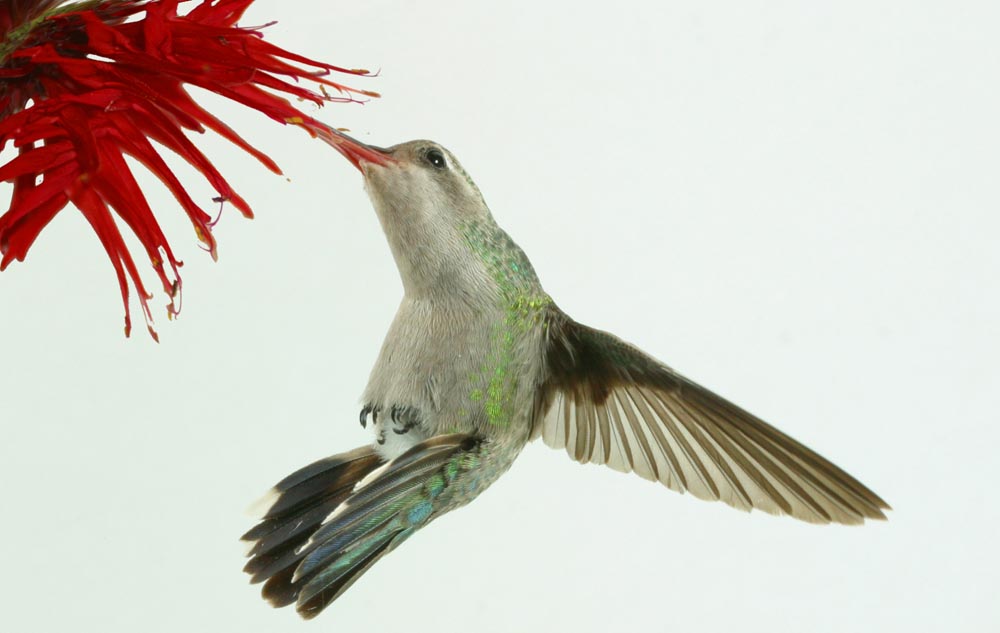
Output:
x=793 y=203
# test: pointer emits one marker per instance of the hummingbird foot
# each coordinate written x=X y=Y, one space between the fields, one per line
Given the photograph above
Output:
x=370 y=409
x=403 y=418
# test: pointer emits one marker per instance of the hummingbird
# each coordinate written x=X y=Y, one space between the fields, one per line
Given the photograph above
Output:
x=478 y=362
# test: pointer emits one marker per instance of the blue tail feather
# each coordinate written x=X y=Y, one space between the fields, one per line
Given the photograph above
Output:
x=314 y=566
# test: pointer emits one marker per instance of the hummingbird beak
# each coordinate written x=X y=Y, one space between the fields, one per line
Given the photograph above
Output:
x=354 y=150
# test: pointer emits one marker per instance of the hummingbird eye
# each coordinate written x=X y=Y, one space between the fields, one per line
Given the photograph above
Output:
x=436 y=159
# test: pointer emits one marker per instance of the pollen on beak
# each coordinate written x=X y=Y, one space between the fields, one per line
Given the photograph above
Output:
x=356 y=151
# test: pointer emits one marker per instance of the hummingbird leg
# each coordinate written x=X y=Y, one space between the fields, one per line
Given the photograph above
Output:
x=379 y=428
x=372 y=410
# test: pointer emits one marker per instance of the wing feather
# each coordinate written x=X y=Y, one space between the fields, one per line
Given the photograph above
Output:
x=623 y=451
x=606 y=402
x=647 y=467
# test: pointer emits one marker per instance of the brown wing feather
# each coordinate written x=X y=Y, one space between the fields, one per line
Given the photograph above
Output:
x=607 y=402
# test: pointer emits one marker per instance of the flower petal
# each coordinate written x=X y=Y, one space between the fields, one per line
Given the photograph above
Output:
x=83 y=86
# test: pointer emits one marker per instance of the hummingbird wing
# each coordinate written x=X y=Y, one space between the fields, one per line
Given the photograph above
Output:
x=607 y=402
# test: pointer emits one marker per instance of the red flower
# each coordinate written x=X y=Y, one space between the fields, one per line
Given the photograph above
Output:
x=83 y=85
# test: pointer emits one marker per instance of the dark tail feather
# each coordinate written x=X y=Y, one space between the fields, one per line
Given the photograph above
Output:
x=315 y=544
x=298 y=504
x=326 y=586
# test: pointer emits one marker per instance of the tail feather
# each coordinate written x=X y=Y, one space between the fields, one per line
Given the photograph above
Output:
x=285 y=540
x=308 y=485
x=321 y=596
x=344 y=568
x=297 y=505
x=351 y=538
x=377 y=497
x=332 y=520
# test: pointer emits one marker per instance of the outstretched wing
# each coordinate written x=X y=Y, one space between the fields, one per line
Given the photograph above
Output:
x=607 y=402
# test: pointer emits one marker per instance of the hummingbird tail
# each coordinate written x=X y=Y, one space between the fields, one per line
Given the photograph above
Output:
x=290 y=513
x=331 y=521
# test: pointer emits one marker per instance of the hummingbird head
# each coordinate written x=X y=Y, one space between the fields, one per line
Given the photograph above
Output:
x=427 y=204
